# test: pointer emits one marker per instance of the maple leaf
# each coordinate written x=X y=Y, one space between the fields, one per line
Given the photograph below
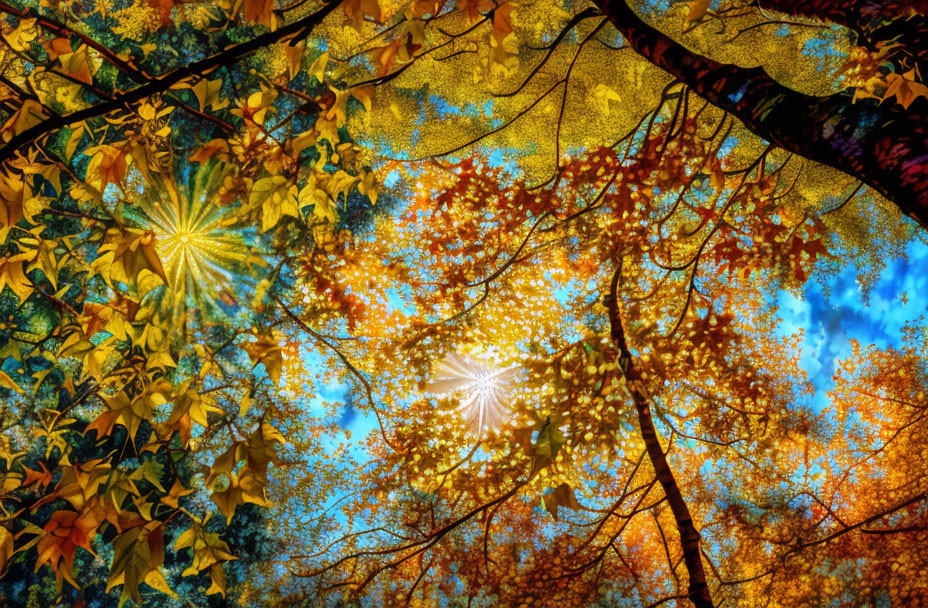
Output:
x=265 y=349
x=126 y=252
x=245 y=486
x=174 y=495
x=561 y=496
x=138 y=555
x=64 y=533
x=108 y=165
x=43 y=477
x=261 y=449
x=209 y=552
x=190 y=406
x=79 y=483
x=276 y=196
x=904 y=88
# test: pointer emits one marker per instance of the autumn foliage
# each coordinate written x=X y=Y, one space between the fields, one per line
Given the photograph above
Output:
x=467 y=303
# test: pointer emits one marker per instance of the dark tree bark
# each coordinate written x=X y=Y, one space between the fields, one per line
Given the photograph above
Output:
x=853 y=14
x=882 y=144
x=901 y=23
x=698 y=591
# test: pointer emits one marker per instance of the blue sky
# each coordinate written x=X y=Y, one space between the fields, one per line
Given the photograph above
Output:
x=835 y=310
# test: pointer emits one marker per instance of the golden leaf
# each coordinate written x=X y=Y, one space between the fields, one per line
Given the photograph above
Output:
x=6 y=548
x=259 y=11
x=277 y=197
x=21 y=37
x=904 y=88
x=78 y=65
x=29 y=114
x=266 y=350
x=126 y=252
x=13 y=276
x=108 y=165
x=317 y=69
x=697 y=10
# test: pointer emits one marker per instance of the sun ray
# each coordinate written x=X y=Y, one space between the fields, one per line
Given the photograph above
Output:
x=484 y=392
x=203 y=256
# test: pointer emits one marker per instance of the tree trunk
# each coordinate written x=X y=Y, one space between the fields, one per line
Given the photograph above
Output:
x=689 y=536
x=882 y=144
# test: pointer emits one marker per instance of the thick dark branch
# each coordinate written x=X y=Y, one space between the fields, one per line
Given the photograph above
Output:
x=163 y=83
x=901 y=23
x=882 y=144
x=689 y=536
x=853 y=14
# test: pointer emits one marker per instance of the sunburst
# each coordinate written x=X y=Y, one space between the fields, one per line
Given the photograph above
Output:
x=484 y=392
x=205 y=260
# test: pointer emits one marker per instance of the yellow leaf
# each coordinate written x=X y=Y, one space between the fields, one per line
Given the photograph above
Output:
x=29 y=114
x=904 y=88
x=137 y=553
x=357 y=10
x=218 y=578
x=367 y=186
x=8 y=382
x=266 y=350
x=25 y=32
x=6 y=548
x=147 y=111
x=108 y=165
x=323 y=206
x=604 y=95
x=277 y=197
x=228 y=499
x=78 y=65
x=697 y=10
x=294 y=55
x=12 y=275
x=317 y=69
x=364 y=94
x=208 y=94
x=259 y=11
x=13 y=192
x=125 y=253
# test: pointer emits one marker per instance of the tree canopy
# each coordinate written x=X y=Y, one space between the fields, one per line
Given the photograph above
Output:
x=463 y=303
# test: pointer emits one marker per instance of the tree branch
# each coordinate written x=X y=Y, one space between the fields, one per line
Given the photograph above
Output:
x=883 y=144
x=689 y=536
x=163 y=83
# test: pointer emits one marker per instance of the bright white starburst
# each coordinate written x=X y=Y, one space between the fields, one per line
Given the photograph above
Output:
x=483 y=391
